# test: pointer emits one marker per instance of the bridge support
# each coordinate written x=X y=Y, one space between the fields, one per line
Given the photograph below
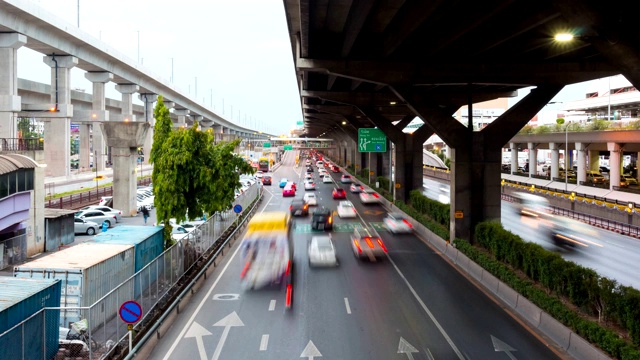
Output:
x=99 y=113
x=148 y=100
x=9 y=99
x=124 y=139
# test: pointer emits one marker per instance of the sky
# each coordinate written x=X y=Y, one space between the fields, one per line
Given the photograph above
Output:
x=238 y=52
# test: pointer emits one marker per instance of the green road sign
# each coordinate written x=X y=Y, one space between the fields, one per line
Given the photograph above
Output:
x=371 y=140
x=300 y=123
x=338 y=228
x=267 y=145
x=288 y=147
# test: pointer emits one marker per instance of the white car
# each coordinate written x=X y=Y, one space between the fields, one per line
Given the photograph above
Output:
x=259 y=174
x=97 y=217
x=309 y=185
x=369 y=197
x=322 y=252
x=107 y=210
x=308 y=176
x=397 y=223
x=327 y=179
x=323 y=172
x=310 y=199
x=178 y=232
x=104 y=200
x=346 y=210
x=356 y=188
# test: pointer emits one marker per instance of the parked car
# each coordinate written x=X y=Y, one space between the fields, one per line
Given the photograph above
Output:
x=179 y=232
x=107 y=210
x=82 y=226
x=96 y=216
x=106 y=201
x=594 y=177
x=631 y=181
x=322 y=252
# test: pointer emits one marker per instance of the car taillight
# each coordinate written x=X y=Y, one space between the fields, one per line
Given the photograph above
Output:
x=375 y=195
x=357 y=243
x=290 y=207
x=305 y=207
x=369 y=242
x=330 y=219
x=354 y=211
x=384 y=248
x=407 y=223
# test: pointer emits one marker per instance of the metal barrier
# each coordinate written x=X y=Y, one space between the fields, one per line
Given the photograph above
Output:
x=76 y=201
x=150 y=287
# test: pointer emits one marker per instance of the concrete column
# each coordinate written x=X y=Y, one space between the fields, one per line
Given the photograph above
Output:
x=127 y=91
x=594 y=160
x=373 y=166
x=582 y=162
x=614 y=164
x=85 y=148
x=514 y=157
x=10 y=102
x=638 y=163
x=385 y=162
x=35 y=232
x=533 y=159
x=124 y=139
x=57 y=132
x=408 y=166
x=226 y=130
x=148 y=100
x=218 y=129
x=555 y=160
x=182 y=117
x=99 y=113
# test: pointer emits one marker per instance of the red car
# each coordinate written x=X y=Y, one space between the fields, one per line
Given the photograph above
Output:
x=335 y=169
x=339 y=193
x=266 y=180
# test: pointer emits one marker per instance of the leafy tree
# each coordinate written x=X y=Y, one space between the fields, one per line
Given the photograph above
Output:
x=560 y=121
x=161 y=130
x=27 y=129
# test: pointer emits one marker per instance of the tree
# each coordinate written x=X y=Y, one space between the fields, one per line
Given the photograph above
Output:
x=27 y=129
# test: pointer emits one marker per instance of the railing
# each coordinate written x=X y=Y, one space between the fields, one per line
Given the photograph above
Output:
x=18 y=144
x=76 y=201
x=152 y=287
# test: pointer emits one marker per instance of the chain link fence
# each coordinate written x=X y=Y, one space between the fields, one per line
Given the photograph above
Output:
x=13 y=250
x=101 y=329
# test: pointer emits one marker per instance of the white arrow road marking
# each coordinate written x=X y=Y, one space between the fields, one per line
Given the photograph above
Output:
x=264 y=342
x=346 y=304
x=272 y=305
x=197 y=331
x=228 y=321
x=405 y=348
x=310 y=351
x=499 y=345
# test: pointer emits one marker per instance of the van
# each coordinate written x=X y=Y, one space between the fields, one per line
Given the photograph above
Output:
x=289 y=190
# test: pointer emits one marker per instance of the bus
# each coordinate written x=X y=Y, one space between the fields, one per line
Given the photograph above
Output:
x=267 y=253
x=263 y=164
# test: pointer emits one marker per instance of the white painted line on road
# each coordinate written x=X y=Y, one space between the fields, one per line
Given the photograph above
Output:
x=426 y=309
x=346 y=304
x=195 y=313
x=264 y=342
x=272 y=305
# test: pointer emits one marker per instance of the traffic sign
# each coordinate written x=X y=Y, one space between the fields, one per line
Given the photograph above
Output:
x=371 y=140
x=300 y=123
x=459 y=214
x=130 y=312
x=237 y=208
x=267 y=145
x=288 y=147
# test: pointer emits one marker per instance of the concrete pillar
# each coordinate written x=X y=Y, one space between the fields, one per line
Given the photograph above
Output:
x=148 y=100
x=407 y=166
x=514 y=157
x=594 y=160
x=226 y=130
x=84 y=153
x=373 y=166
x=57 y=132
x=182 y=117
x=555 y=160
x=218 y=129
x=124 y=139
x=533 y=159
x=10 y=102
x=614 y=164
x=35 y=232
x=638 y=163
x=127 y=91
x=582 y=162
x=99 y=113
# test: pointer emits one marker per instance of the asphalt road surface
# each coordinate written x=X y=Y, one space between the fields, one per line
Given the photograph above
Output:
x=411 y=305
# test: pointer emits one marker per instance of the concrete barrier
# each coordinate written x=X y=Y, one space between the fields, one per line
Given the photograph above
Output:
x=490 y=282
x=463 y=261
x=475 y=270
x=507 y=294
x=555 y=330
x=581 y=349
x=528 y=310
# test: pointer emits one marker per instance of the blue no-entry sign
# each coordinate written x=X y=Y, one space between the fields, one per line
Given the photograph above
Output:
x=130 y=312
x=237 y=209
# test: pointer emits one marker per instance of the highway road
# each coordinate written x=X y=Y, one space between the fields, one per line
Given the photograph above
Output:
x=411 y=305
x=610 y=254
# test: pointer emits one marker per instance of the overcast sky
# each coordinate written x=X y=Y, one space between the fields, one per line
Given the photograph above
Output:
x=239 y=51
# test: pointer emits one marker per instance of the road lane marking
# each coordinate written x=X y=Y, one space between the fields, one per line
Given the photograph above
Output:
x=426 y=309
x=264 y=342
x=346 y=304
x=272 y=305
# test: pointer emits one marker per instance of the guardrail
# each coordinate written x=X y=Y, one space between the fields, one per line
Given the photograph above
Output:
x=76 y=201
x=19 y=144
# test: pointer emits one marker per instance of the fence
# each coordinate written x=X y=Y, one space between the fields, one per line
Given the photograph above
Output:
x=150 y=287
x=13 y=250
x=76 y=201
x=19 y=144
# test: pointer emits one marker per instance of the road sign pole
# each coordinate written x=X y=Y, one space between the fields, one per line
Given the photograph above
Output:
x=130 y=337
x=369 y=166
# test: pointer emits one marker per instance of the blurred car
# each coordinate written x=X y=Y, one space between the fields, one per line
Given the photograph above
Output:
x=322 y=252
x=309 y=185
x=293 y=185
x=289 y=190
x=631 y=181
x=594 y=177
x=308 y=176
x=346 y=179
x=309 y=169
x=322 y=219
x=339 y=193
x=310 y=198
x=107 y=210
x=530 y=204
x=299 y=208
x=307 y=162
x=397 y=223
x=179 y=232
x=283 y=182
x=327 y=179
x=106 y=201
x=259 y=174
x=367 y=244
x=335 y=169
x=369 y=197
x=96 y=216
x=266 y=180
x=346 y=209
x=356 y=188
x=82 y=226
x=322 y=172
